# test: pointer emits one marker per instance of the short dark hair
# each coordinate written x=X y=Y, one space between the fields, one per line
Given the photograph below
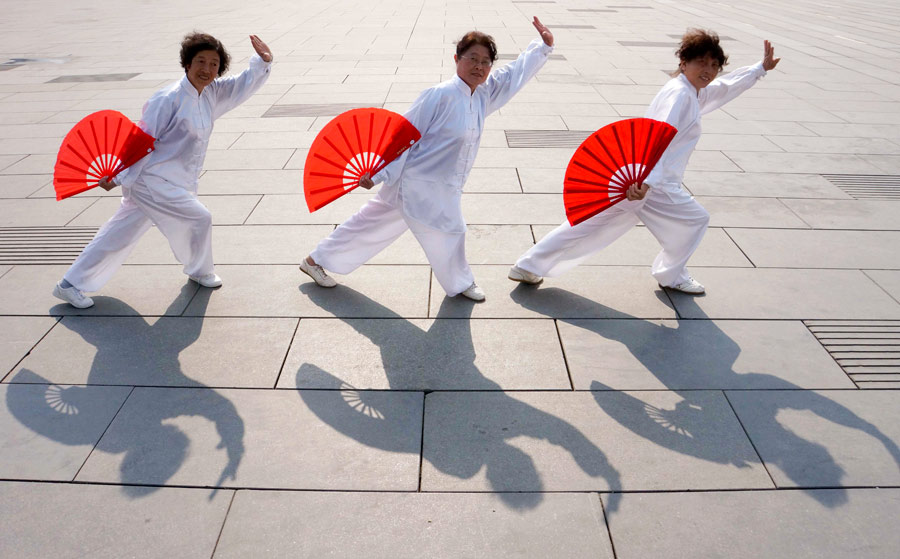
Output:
x=195 y=42
x=476 y=38
x=697 y=43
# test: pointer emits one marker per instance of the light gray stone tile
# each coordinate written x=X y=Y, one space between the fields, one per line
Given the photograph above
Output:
x=20 y=335
x=542 y=180
x=287 y=209
x=166 y=523
x=764 y=162
x=134 y=290
x=47 y=431
x=226 y=210
x=239 y=438
x=737 y=142
x=889 y=164
x=245 y=159
x=511 y=209
x=847 y=214
x=438 y=526
x=582 y=441
x=20 y=186
x=442 y=354
x=168 y=351
x=761 y=185
x=45 y=212
x=780 y=248
x=697 y=354
x=749 y=212
x=828 y=438
x=493 y=180
x=28 y=165
x=816 y=524
x=638 y=247
x=286 y=291
x=713 y=161
x=622 y=289
x=787 y=294
x=808 y=144
x=251 y=182
x=887 y=280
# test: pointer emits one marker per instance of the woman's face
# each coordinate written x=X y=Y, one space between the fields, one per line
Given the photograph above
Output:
x=474 y=65
x=700 y=71
x=203 y=69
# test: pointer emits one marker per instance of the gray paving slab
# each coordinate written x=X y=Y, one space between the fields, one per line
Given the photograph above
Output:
x=38 y=521
x=251 y=182
x=442 y=354
x=847 y=214
x=824 y=523
x=542 y=180
x=584 y=441
x=134 y=290
x=237 y=438
x=278 y=209
x=226 y=210
x=760 y=293
x=167 y=351
x=624 y=354
x=246 y=159
x=45 y=212
x=638 y=247
x=513 y=208
x=48 y=431
x=620 y=289
x=493 y=180
x=888 y=280
x=20 y=335
x=763 y=162
x=286 y=291
x=827 y=438
x=779 y=248
x=761 y=185
x=413 y=525
x=20 y=186
x=749 y=212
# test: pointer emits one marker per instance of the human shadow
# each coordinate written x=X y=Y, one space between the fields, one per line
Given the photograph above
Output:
x=154 y=448
x=689 y=427
x=445 y=350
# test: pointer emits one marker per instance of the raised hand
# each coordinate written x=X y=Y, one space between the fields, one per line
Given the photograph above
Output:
x=546 y=35
x=769 y=61
x=261 y=48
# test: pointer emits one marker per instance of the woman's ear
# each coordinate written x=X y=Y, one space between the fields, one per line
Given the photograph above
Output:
x=456 y=58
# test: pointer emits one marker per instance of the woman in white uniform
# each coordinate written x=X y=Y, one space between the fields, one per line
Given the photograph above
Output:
x=423 y=188
x=161 y=188
x=670 y=213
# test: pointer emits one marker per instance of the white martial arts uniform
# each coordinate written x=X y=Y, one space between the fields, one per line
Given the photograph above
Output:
x=670 y=213
x=161 y=189
x=423 y=188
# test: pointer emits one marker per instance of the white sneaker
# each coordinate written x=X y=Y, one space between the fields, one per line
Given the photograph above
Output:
x=73 y=296
x=209 y=280
x=473 y=292
x=317 y=273
x=690 y=286
x=524 y=276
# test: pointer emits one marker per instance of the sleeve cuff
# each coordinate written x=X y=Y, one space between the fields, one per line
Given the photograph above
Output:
x=758 y=69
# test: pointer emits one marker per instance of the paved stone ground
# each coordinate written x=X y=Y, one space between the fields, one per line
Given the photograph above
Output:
x=594 y=416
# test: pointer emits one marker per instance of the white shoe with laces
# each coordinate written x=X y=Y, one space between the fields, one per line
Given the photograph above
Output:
x=691 y=286
x=524 y=276
x=73 y=296
x=317 y=273
x=473 y=292
x=209 y=280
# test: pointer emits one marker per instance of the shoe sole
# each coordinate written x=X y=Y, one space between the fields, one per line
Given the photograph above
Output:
x=64 y=300
x=203 y=285
x=661 y=286
x=525 y=281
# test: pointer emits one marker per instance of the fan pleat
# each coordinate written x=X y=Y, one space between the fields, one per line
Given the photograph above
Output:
x=597 y=179
x=351 y=145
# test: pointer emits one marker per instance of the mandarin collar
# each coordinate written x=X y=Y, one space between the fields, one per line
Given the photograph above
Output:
x=189 y=87
x=463 y=86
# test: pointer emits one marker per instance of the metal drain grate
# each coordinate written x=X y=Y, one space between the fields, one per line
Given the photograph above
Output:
x=333 y=109
x=546 y=138
x=867 y=350
x=43 y=245
x=78 y=78
x=868 y=187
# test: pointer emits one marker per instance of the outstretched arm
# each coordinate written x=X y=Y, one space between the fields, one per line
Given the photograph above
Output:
x=725 y=88
x=505 y=82
x=234 y=90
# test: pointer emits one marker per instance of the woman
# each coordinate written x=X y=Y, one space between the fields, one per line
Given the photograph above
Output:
x=161 y=188
x=670 y=213
x=423 y=188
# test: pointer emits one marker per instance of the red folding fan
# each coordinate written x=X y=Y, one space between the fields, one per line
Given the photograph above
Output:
x=103 y=144
x=354 y=143
x=611 y=160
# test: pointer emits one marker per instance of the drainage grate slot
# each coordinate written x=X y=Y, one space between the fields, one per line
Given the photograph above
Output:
x=868 y=187
x=43 y=245
x=78 y=78
x=867 y=350
x=546 y=138
x=315 y=110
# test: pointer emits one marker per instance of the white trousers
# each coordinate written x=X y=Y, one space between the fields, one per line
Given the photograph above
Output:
x=185 y=222
x=378 y=224
x=676 y=220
